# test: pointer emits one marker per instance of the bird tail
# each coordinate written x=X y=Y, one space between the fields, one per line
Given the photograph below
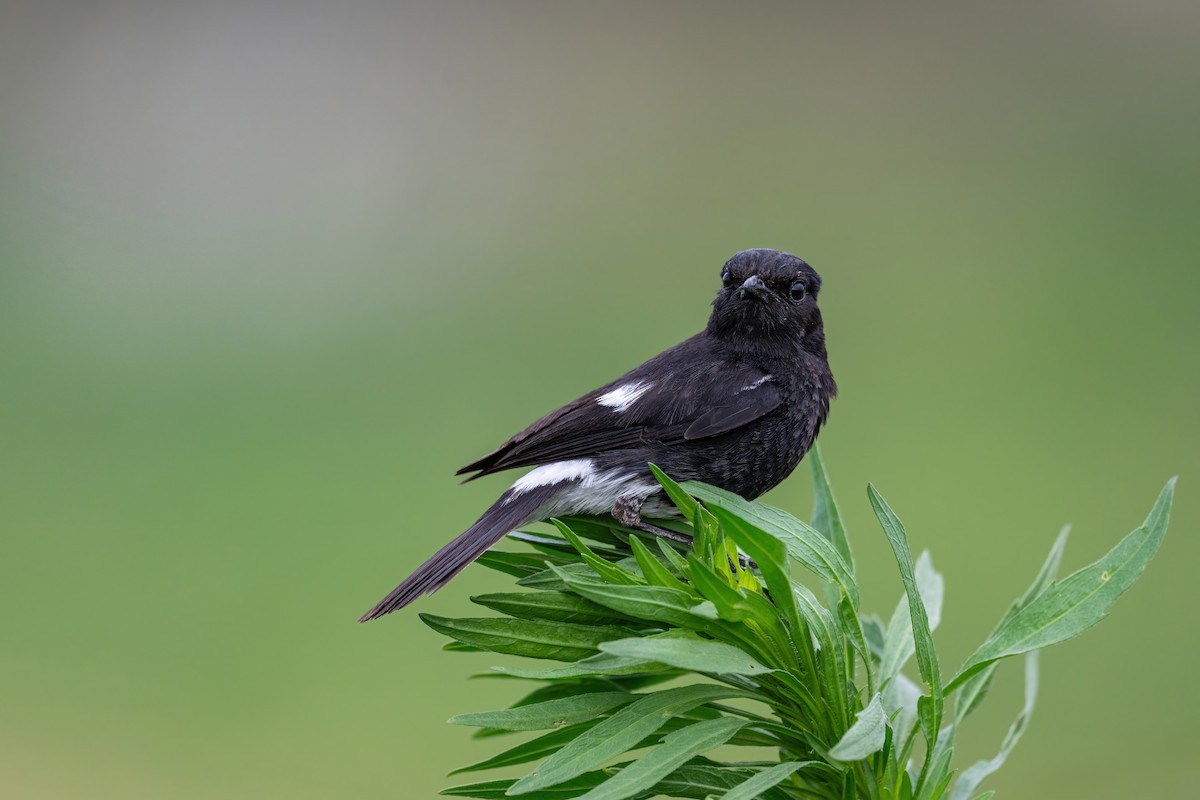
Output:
x=512 y=510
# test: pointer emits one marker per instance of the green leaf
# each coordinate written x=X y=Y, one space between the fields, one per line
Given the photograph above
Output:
x=558 y=689
x=1068 y=607
x=653 y=570
x=700 y=778
x=730 y=603
x=557 y=713
x=899 y=646
x=707 y=541
x=599 y=665
x=975 y=688
x=865 y=736
x=771 y=556
x=975 y=774
x=826 y=518
x=676 y=493
x=557 y=606
x=497 y=790
x=676 y=748
x=762 y=781
x=687 y=652
x=1046 y=574
x=875 y=634
x=598 y=528
x=803 y=543
x=552 y=742
x=940 y=773
x=520 y=565
x=900 y=698
x=607 y=570
x=561 y=641
x=657 y=603
x=620 y=732
x=548 y=578
x=532 y=750
x=927 y=661
x=671 y=555
x=551 y=545
x=830 y=659
x=852 y=630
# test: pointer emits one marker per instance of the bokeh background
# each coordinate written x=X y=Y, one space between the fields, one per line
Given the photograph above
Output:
x=270 y=272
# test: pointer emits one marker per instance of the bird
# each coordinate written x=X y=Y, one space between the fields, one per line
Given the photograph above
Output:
x=736 y=406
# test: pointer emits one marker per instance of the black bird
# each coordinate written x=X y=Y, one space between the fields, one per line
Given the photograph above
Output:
x=737 y=406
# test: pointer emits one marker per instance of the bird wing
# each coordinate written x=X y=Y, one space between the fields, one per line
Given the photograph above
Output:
x=684 y=394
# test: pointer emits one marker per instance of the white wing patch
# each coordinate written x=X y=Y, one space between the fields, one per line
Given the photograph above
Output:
x=622 y=397
x=755 y=384
x=556 y=472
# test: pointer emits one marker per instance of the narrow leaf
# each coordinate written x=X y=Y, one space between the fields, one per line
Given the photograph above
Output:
x=671 y=555
x=535 y=639
x=900 y=645
x=603 y=529
x=537 y=748
x=676 y=748
x=803 y=543
x=682 y=500
x=1068 y=607
x=519 y=565
x=653 y=570
x=551 y=545
x=762 y=781
x=619 y=733
x=865 y=736
x=1046 y=574
x=731 y=605
x=496 y=790
x=657 y=603
x=900 y=698
x=555 y=690
x=940 y=773
x=922 y=635
x=599 y=665
x=548 y=578
x=701 y=779
x=771 y=555
x=975 y=689
x=831 y=661
x=875 y=634
x=975 y=774
x=610 y=572
x=852 y=630
x=688 y=652
x=826 y=518
x=557 y=713
x=556 y=606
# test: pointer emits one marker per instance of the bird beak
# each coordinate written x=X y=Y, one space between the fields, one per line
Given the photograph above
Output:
x=754 y=287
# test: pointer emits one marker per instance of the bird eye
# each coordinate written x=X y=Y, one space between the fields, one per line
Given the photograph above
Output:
x=726 y=279
x=799 y=290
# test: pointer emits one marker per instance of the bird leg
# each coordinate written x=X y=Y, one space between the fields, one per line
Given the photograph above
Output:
x=628 y=511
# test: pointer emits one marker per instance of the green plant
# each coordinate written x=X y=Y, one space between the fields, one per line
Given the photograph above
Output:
x=755 y=658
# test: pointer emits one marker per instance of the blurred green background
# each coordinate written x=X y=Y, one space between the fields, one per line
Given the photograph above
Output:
x=270 y=272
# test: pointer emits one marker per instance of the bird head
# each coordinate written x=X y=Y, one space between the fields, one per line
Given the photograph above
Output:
x=768 y=296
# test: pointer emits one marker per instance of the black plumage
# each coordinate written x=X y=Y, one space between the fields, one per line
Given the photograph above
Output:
x=737 y=406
